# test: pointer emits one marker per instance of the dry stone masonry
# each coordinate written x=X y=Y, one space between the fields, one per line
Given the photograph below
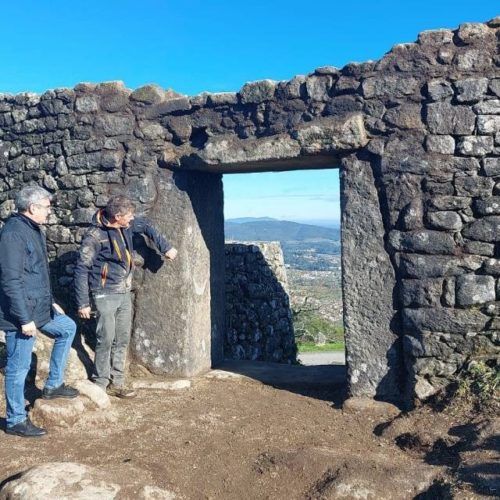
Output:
x=258 y=315
x=417 y=138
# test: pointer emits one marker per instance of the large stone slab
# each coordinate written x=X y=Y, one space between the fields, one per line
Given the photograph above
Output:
x=179 y=307
x=373 y=367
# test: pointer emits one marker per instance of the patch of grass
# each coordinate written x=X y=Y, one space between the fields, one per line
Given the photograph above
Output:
x=479 y=384
x=312 y=347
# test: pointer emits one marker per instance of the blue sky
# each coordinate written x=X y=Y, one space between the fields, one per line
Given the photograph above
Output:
x=193 y=46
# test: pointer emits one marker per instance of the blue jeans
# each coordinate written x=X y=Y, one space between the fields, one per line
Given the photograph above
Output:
x=19 y=349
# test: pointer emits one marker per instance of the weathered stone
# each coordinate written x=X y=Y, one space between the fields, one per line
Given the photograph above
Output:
x=491 y=167
x=445 y=118
x=93 y=393
x=368 y=406
x=406 y=116
x=472 y=33
x=471 y=89
x=431 y=266
x=318 y=87
x=222 y=98
x=383 y=86
x=491 y=107
x=486 y=229
x=492 y=266
x=57 y=412
x=148 y=94
x=494 y=86
x=479 y=248
x=472 y=60
x=412 y=215
x=475 y=145
x=449 y=202
x=87 y=104
x=60 y=480
x=421 y=293
x=257 y=92
x=445 y=220
x=422 y=241
x=439 y=90
x=488 y=124
x=449 y=295
x=113 y=125
x=487 y=206
x=474 y=289
x=475 y=186
x=443 y=144
x=443 y=319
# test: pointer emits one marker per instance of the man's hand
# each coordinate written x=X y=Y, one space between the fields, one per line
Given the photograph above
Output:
x=84 y=312
x=29 y=329
x=171 y=254
x=57 y=308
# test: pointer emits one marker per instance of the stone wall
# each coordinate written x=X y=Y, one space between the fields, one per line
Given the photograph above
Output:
x=417 y=137
x=258 y=315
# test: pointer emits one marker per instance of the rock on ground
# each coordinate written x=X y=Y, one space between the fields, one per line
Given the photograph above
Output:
x=61 y=480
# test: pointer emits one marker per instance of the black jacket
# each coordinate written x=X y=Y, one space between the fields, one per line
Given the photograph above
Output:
x=25 y=293
x=105 y=260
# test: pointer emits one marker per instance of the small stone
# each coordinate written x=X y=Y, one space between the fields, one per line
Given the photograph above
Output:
x=445 y=220
x=471 y=89
x=87 y=104
x=370 y=406
x=443 y=144
x=422 y=241
x=479 y=248
x=492 y=267
x=474 y=145
x=449 y=202
x=495 y=86
x=148 y=94
x=57 y=412
x=421 y=292
x=432 y=266
x=318 y=87
x=486 y=229
x=94 y=393
x=475 y=186
x=439 y=90
x=423 y=389
x=472 y=289
x=491 y=167
x=61 y=480
x=445 y=118
x=488 y=206
x=491 y=107
x=257 y=92
x=488 y=124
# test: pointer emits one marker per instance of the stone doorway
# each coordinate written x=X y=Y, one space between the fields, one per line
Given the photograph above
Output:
x=283 y=269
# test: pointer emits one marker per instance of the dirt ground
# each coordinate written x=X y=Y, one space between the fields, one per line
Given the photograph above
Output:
x=238 y=438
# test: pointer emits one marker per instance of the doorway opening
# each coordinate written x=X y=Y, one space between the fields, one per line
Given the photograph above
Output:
x=288 y=223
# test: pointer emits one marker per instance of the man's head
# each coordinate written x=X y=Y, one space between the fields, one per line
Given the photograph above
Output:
x=34 y=203
x=120 y=210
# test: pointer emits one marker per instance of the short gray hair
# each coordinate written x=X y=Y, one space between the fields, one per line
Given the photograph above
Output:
x=30 y=195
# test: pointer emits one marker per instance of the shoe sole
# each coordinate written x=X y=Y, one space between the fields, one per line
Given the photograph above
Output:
x=60 y=397
x=20 y=434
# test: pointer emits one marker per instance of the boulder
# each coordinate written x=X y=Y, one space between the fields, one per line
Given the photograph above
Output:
x=62 y=480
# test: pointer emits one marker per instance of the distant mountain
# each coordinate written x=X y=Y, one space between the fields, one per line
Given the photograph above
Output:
x=267 y=229
x=241 y=220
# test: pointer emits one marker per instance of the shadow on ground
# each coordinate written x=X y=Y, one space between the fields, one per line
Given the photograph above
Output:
x=324 y=382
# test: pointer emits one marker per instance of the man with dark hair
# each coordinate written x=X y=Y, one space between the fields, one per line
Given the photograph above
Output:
x=26 y=304
x=103 y=275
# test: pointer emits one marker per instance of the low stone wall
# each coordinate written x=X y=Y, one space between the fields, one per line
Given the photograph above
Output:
x=258 y=315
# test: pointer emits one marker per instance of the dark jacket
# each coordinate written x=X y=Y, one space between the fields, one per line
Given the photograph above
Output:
x=25 y=293
x=105 y=260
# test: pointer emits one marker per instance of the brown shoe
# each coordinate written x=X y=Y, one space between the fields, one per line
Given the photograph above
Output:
x=120 y=392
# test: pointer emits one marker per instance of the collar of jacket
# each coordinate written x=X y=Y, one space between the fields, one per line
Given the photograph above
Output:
x=27 y=220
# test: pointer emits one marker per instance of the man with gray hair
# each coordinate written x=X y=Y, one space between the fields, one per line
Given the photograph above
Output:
x=26 y=304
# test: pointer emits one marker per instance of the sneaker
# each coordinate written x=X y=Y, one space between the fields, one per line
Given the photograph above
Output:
x=63 y=391
x=26 y=429
x=120 y=392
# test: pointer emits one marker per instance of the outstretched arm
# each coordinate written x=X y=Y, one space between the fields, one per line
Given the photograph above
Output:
x=144 y=226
